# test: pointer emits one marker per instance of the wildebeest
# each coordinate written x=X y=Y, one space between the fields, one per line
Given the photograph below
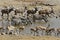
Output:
x=46 y=12
x=31 y=11
x=17 y=10
x=7 y=10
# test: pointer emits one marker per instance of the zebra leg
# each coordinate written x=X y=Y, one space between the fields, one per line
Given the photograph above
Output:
x=34 y=33
x=9 y=32
x=45 y=20
x=50 y=33
x=31 y=32
x=57 y=33
x=48 y=15
x=33 y=20
x=19 y=31
x=46 y=33
x=29 y=21
x=15 y=13
x=2 y=14
x=42 y=32
x=37 y=33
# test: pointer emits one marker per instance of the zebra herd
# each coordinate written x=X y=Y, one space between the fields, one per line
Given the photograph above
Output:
x=27 y=17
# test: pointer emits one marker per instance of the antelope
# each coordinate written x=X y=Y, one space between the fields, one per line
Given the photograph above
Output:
x=49 y=31
x=58 y=31
x=21 y=28
x=35 y=30
x=11 y=29
x=41 y=28
x=1 y=29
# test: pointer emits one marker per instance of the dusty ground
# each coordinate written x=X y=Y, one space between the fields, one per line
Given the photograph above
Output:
x=12 y=37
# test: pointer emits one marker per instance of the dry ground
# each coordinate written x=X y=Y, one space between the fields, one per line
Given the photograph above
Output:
x=12 y=37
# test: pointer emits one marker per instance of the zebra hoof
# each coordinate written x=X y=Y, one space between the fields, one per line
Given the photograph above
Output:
x=56 y=17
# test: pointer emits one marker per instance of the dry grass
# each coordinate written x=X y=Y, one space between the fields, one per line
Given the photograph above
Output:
x=12 y=37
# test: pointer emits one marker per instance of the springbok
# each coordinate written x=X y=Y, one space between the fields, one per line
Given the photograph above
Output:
x=21 y=28
x=58 y=31
x=1 y=29
x=41 y=28
x=49 y=31
x=11 y=29
x=34 y=30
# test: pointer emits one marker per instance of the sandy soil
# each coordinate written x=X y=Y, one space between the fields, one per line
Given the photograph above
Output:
x=12 y=37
